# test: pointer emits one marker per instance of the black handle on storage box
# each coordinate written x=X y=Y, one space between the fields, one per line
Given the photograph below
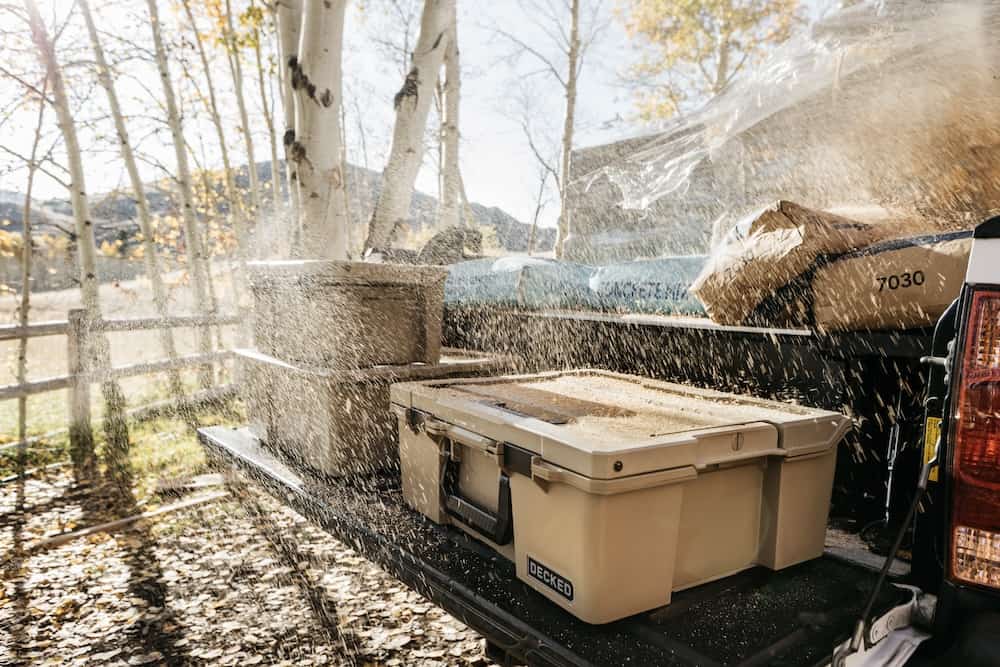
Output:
x=497 y=528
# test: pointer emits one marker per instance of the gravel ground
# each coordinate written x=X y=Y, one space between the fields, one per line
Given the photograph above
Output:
x=237 y=581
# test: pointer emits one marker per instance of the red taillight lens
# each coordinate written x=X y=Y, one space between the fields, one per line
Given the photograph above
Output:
x=975 y=555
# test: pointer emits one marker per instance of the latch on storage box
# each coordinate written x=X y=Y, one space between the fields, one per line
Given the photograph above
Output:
x=497 y=527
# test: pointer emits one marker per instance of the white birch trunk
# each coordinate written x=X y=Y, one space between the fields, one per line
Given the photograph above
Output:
x=236 y=69
x=315 y=150
x=347 y=186
x=450 y=181
x=565 y=223
x=289 y=22
x=470 y=215
x=145 y=219
x=210 y=200
x=265 y=105
x=236 y=209
x=197 y=263
x=533 y=232
x=98 y=357
x=722 y=61
x=439 y=109
x=412 y=105
x=24 y=306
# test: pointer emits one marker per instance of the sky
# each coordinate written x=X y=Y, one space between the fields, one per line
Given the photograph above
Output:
x=498 y=86
x=500 y=83
x=501 y=86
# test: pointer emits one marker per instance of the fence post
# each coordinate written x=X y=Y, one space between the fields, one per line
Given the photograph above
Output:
x=81 y=437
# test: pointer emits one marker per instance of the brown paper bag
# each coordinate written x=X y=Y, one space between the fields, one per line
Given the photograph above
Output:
x=898 y=284
x=766 y=251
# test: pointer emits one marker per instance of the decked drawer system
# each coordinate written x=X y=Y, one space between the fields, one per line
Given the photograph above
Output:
x=608 y=491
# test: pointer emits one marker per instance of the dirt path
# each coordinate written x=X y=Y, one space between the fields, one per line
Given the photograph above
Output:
x=226 y=583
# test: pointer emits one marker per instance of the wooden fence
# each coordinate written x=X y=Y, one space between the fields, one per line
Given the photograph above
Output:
x=78 y=380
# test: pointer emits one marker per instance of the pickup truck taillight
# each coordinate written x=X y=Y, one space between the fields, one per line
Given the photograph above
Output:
x=975 y=465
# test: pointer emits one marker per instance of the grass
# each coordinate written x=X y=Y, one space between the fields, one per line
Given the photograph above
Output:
x=162 y=447
x=165 y=448
x=47 y=413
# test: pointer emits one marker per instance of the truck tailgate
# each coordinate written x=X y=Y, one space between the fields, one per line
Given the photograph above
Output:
x=792 y=617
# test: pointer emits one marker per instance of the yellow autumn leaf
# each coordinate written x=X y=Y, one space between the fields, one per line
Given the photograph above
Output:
x=695 y=48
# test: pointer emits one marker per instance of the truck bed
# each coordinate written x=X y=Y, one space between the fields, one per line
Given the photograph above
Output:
x=789 y=618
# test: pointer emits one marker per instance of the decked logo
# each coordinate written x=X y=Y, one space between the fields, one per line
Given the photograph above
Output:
x=556 y=582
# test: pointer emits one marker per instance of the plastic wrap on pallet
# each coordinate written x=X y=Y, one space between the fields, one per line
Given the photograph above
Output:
x=659 y=286
x=894 y=103
x=522 y=282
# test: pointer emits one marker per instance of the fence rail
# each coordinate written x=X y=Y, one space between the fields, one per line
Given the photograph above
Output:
x=50 y=328
x=137 y=323
x=78 y=378
x=35 y=387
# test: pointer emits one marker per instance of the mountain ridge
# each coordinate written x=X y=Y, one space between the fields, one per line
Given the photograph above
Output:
x=115 y=213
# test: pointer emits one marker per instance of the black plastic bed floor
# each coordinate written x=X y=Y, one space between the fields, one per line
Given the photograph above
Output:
x=788 y=618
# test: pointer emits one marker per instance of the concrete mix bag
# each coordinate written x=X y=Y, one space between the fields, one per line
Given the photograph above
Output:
x=768 y=250
x=518 y=282
x=897 y=284
x=648 y=286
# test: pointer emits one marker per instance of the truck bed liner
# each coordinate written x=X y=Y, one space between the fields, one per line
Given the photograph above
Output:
x=789 y=618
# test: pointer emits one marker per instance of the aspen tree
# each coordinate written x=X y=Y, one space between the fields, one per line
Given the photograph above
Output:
x=232 y=193
x=347 y=186
x=450 y=180
x=470 y=216
x=139 y=191
x=24 y=305
x=694 y=50
x=236 y=69
x=98 y=357
x=569 y=119
x=288 y=19
x=208 y=201
x=197 y=263
x=256 y=17
x=316 y=79
x=572 y=46
x=412 y=104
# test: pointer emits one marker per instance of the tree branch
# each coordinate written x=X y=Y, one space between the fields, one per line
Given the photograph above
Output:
x=735 y=70
x=537 y=153
x=545 y=61
x=37 y=165
x=34 y=89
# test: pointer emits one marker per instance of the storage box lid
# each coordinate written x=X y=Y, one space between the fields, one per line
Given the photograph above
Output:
x=329 y=272
x=453 y=363
x=606 y=425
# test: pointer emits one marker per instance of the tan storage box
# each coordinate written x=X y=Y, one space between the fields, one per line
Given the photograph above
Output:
x=338 y=422
x=347 y=314
x=610 y=491
x=897 y=284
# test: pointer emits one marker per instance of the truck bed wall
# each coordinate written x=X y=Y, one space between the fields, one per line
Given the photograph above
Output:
x=875 y=378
